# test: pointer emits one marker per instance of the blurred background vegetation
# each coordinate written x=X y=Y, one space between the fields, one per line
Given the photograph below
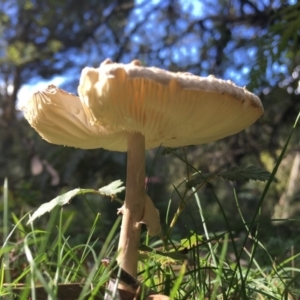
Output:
x=251 y=42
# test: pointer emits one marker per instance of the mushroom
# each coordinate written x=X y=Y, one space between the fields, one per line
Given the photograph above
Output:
x=128 y=107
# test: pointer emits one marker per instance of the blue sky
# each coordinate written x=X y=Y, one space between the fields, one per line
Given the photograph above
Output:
x=186 y=51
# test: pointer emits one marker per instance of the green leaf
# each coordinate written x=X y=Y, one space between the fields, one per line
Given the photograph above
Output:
x=58 y=201
x=246 y=174
x=235 y=174
x=110 y=190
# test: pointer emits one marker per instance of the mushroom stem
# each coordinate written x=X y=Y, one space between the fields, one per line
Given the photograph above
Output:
x=133 y=209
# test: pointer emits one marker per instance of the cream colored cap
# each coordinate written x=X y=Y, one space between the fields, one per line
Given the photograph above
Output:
x=169 y=109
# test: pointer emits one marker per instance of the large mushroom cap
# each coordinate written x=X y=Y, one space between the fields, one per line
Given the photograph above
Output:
x=169 y=109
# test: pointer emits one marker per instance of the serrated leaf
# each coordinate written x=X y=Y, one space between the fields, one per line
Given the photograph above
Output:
x=246 y=174
x=235 y=174
x=58 y=201
x=112 y=189
x=109 y=190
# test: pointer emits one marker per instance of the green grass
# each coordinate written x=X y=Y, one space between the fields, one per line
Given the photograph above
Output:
x=217 y=265
x=211 y=265
x=46 y=258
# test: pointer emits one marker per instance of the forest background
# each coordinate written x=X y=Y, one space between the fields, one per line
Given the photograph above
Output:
x=253 y=43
